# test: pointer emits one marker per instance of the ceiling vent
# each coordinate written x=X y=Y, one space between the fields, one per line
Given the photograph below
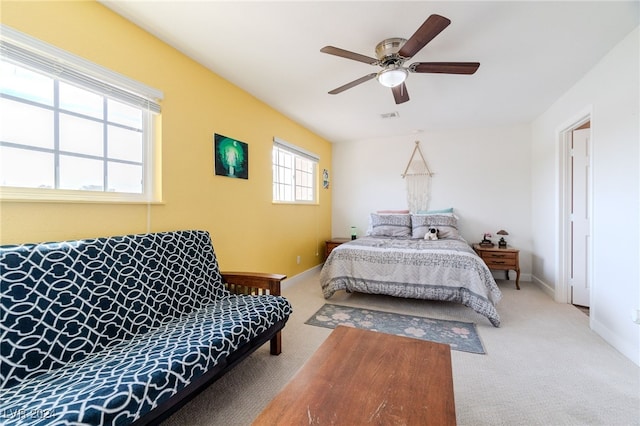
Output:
x=390 y=115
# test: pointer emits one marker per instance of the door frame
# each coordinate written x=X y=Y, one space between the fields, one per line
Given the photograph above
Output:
x=563 y=288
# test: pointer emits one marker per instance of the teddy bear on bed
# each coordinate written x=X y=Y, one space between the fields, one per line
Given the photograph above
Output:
x=432 y=234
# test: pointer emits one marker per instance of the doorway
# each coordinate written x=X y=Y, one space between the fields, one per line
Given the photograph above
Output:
x=576 y=216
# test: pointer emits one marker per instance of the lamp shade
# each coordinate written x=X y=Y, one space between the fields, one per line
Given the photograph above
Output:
x=502 y=232
x=392 y=77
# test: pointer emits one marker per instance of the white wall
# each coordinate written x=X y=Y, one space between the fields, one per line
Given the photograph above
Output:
x=510 y=177
x=485 y=174
x=611 y=91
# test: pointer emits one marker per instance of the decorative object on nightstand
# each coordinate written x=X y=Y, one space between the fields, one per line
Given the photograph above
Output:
x=486 y=242
x=333 y=243
x=502 y=259
x=353 y=233
x=502 y=243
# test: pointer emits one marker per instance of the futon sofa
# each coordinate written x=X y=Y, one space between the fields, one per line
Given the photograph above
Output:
x=126 y=329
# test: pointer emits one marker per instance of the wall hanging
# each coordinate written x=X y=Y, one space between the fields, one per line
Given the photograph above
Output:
x=231 y=157
x=418 y=177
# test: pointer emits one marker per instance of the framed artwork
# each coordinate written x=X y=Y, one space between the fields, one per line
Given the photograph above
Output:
x=325 y=179
x=230 y=157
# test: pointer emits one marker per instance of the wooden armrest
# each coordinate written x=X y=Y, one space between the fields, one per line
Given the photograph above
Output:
x=253 y=282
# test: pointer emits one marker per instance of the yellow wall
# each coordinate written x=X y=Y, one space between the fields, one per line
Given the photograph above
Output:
x=249 y=232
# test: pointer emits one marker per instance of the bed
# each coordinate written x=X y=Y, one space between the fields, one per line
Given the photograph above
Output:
x=395 y=259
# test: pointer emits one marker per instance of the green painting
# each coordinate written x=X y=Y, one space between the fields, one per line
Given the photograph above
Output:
x=231 y=157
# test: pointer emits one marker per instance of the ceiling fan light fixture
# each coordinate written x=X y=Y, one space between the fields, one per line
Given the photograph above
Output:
x=392 y=53
x=392 y=77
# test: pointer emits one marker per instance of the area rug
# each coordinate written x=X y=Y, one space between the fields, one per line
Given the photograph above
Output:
x=461 y=336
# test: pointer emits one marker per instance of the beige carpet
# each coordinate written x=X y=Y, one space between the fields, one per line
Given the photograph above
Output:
x=543 y=366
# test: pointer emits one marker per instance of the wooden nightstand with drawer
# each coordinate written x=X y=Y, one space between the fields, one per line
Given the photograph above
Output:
x=333 y=243
x=502 y=259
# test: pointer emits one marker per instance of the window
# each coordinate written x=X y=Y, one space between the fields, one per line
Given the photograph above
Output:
x=72 y=130
x=294 y=174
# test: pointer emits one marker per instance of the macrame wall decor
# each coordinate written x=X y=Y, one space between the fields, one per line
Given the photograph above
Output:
x=418 y=178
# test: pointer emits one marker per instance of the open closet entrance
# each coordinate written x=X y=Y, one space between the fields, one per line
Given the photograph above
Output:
x=576 y=215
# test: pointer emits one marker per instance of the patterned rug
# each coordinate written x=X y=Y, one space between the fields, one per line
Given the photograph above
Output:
x=461 y=336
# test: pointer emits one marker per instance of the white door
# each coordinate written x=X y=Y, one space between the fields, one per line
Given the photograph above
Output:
x=579 y=224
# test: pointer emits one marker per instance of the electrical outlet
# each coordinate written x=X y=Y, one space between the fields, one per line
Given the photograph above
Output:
x=298 y=260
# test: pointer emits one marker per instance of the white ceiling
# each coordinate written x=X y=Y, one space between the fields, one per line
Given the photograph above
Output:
x=530 y=54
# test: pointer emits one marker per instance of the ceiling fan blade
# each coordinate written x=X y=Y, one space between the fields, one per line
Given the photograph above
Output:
x=349 y=55
x=353 y=84
x=445 y=67
x=400 y=93
x=427 y=31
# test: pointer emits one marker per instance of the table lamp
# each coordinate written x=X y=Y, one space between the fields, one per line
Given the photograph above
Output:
x=502 y=243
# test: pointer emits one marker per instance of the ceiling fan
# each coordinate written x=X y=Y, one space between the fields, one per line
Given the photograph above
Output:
x=392 y=54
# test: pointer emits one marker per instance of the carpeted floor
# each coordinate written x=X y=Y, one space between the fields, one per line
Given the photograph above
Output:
x=543 y=366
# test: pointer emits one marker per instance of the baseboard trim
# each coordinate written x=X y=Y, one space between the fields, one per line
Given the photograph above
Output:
x=499 y=275
x=300 y=277
x=616 y=341
x=550 y=291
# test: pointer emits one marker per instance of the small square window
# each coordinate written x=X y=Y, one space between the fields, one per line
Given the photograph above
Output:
x=294 y=174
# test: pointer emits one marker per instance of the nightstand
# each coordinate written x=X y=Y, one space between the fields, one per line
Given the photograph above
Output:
x=502 y=259
x=333 y=243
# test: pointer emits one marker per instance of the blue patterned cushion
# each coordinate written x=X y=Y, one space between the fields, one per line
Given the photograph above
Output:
x=118 y=385
x=103 y=330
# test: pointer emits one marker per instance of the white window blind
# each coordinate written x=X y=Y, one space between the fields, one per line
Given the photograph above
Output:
x=295 y=150
x=25 y=50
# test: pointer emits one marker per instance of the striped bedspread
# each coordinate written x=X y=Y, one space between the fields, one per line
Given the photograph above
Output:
x=446 y=270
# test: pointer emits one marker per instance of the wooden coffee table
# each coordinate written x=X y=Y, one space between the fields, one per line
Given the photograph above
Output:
x=363 y=377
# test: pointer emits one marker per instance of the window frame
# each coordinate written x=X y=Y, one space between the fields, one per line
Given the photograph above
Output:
x=61 y=66
x=296 y=153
